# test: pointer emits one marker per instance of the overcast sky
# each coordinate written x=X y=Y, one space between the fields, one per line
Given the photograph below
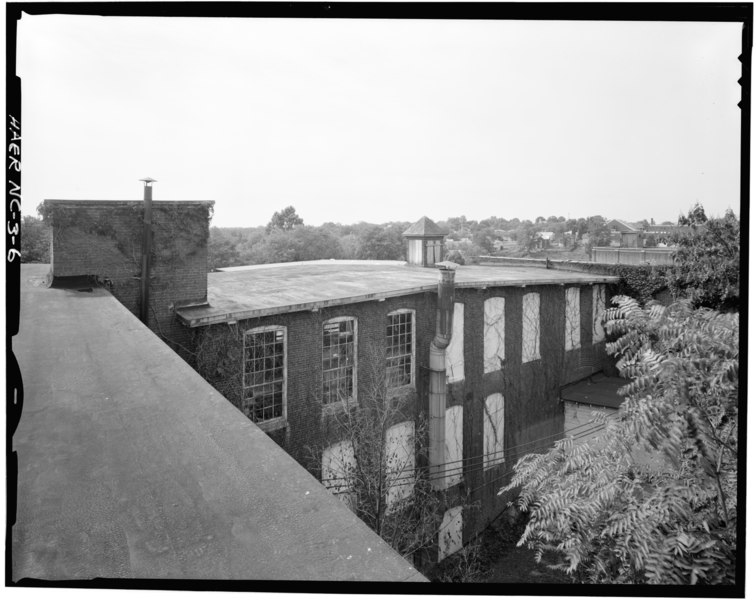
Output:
x=365 y=120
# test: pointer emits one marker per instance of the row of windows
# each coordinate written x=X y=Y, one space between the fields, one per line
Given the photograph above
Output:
x=339 y=462
x=264 y=384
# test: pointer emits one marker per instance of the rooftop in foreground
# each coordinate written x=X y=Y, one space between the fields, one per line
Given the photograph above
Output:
x=130 y=465
x=260 y=290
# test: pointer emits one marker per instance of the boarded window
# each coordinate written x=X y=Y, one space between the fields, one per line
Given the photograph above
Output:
x=599 y=306
x=455 y=352
x=400 y=462
x=264 y=386
x=450 y=533
x=493 y=334
x=572 y=318
x=454 y=445
x=531 y=327
x=339 y=337
x=400 y=348
x=337 y=467
x=493 y=431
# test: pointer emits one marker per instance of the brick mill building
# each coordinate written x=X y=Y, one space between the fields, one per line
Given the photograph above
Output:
x=481 y=352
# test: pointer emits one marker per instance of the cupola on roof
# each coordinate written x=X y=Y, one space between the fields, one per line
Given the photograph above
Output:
x=424 y=228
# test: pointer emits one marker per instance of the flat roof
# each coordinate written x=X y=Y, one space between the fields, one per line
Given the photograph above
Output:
x=130 y=465
x=259 y=290
x=597 y=390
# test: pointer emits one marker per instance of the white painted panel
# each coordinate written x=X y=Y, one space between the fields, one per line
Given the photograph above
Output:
x=400 y=462
x=531 y=327
x=338 y=463
x=493 y=431
x=455 y=352
x=599 y=305
x=415 y=252
x=493 y=334
x=454 y=445
x=450 y=533
x=572 y=318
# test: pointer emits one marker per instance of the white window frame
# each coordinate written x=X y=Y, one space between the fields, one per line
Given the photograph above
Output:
x=411 y=384
x=353 y=397
x=275 y=422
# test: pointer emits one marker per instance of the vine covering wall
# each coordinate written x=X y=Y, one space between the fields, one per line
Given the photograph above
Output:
x=103 y=240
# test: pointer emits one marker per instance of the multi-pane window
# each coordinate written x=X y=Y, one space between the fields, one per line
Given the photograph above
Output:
x=400 y=348
x=339 y=337
x=264 y=388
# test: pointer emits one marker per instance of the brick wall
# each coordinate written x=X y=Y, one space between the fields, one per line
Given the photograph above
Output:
x=103 y=240
x=534 y=416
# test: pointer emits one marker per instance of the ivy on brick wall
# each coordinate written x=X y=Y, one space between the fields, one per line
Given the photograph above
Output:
x=178 y=230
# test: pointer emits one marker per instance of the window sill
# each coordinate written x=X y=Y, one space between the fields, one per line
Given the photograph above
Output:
x=340 y=405
x=273 y=424
x=400 y=390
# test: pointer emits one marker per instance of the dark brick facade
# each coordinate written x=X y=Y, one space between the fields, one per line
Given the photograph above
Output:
x=534 y=417
x=103 y=240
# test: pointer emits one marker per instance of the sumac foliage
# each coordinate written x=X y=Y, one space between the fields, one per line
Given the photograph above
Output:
x=653 y=498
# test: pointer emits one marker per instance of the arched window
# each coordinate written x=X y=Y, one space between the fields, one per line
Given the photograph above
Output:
x=571 y=318
x=400 y=462
x=400 y=348
x=339 y=359
x=531 y=327
x=493 y=334
x=454 y=445
x=264 y=385
x=599 y=306
x=493 y=431
x=450 y=533
x=455 y=352
x=338 y=464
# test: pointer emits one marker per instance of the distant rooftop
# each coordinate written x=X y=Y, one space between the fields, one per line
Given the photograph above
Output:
x=260 y=290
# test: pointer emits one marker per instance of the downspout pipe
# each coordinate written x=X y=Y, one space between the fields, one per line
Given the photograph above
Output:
x=144 y=304
x=437 y=383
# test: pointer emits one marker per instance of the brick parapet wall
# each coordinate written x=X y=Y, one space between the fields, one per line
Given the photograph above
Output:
x=103 y=240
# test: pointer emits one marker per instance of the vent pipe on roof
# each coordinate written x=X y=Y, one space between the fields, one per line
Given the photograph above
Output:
x=144 y=305
x=437 y=383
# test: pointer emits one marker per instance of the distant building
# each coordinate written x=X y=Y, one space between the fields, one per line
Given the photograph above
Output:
x=630 y=236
